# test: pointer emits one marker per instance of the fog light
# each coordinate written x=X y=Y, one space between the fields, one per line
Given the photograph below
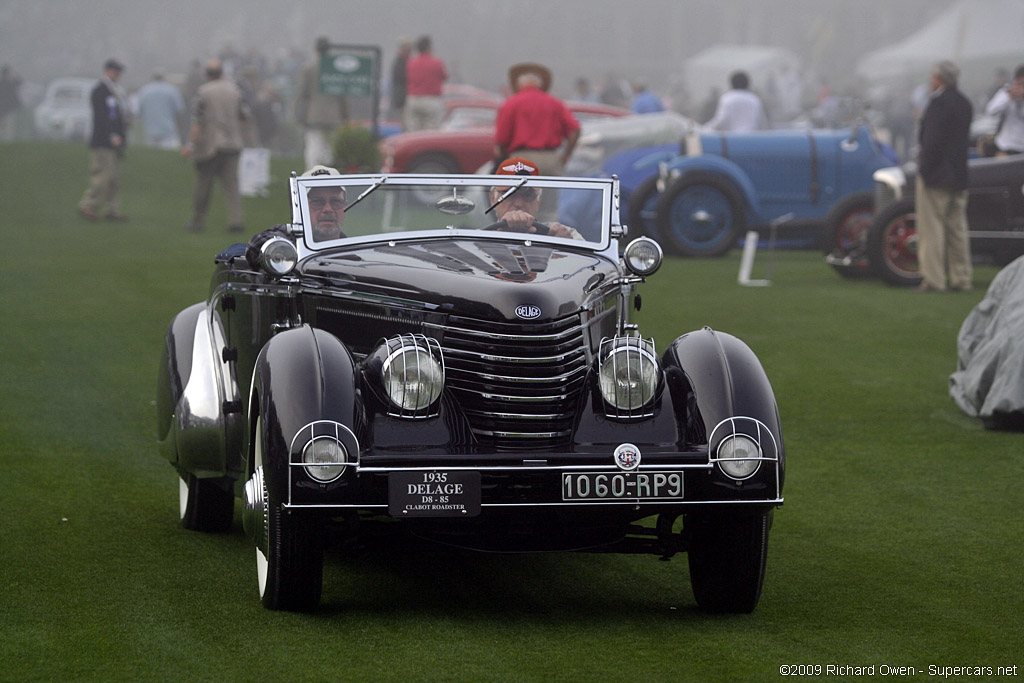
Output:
x=324 y=459
x=739 y=456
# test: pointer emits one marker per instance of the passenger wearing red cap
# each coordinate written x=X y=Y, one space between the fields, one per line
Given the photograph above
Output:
x=520 y=209
x=536 y=124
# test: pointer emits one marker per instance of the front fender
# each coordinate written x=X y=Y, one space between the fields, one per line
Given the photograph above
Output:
x=725 y=379
x=192 y=426
x=302 y=376
x=174 y=371
x=709 y=163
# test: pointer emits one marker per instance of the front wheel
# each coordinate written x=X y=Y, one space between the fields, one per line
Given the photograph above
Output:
x=846 y=234
x=642 y=205
x=290 y=572
x=430 y=163
x=892 y=244
x=203 y=505
x=700 y=215
x=727 y=558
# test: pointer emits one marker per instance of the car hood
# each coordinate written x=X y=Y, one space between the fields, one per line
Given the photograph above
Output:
x=421 y=136
x=498 y=280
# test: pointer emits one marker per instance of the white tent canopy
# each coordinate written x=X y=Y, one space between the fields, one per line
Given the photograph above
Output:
x=979 y=35
x=710 y=69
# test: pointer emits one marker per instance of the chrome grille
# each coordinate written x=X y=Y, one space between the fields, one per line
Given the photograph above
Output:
x=884 y=196
x=518 y=384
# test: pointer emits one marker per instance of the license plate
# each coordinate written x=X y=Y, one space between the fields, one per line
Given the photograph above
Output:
x=437 y=493
x=597 y=486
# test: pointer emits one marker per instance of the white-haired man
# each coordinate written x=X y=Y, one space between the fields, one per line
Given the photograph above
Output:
x=943 y=249
x=535 y=124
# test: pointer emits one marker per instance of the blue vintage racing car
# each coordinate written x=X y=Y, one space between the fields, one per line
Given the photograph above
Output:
x=697 y=198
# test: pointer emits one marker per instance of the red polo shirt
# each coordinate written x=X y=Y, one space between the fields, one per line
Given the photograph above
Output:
x=533 y=119
x=424 y=75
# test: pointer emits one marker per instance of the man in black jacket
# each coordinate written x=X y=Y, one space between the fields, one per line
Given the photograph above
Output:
x=943 y=251
x=106 y=147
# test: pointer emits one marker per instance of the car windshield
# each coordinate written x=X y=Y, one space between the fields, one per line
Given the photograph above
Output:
x=344 y=210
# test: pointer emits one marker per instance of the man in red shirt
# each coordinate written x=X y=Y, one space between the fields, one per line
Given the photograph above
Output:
x=533 y=123
x=424 y=76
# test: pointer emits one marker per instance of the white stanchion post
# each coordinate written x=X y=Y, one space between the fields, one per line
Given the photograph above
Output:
x=747 y=262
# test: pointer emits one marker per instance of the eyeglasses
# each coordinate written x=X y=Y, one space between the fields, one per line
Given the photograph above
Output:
x=319 y=204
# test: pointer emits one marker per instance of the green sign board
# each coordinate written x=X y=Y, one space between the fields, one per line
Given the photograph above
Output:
x=349 y=70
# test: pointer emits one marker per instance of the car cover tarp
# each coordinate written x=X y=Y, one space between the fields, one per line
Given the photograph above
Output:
x=989 y=381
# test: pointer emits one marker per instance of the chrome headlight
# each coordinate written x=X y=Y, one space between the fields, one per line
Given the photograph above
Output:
x=413 y=374
x=325 y=459
x=278 y=256
x=739 y=456
x=629 y=373
x=643 y=256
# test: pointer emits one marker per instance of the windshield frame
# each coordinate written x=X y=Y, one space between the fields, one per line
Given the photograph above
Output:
x=356 y=185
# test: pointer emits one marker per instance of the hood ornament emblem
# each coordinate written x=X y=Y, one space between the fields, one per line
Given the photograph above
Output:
x=528 y=312
x=627 y=457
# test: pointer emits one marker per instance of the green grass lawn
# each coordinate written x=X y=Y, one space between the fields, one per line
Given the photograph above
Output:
x=900 y=543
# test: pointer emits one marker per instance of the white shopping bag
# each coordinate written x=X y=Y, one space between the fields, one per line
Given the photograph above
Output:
x=254 y=171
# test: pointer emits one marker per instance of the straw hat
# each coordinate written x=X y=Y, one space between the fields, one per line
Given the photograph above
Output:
x=540 y=70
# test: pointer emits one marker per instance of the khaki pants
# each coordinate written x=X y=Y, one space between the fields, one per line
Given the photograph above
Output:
x=224 y=165
x=103 y=193
x=943 y=249
x=423 y=112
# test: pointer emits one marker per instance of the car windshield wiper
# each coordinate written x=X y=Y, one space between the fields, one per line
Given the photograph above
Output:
x=367 y=191
x=508 y=193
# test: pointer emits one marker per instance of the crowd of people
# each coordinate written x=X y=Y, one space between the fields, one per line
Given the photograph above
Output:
x=235 y=101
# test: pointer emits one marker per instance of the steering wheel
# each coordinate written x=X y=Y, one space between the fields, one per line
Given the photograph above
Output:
x=503 y=226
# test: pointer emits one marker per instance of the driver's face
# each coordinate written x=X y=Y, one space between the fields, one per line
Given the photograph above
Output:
x=326 y=212
x=524 y=199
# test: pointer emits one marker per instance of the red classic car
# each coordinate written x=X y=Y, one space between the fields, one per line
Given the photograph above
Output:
x=460 y=148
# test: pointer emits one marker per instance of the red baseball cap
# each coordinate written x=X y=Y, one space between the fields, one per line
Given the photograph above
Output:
x=517 y=166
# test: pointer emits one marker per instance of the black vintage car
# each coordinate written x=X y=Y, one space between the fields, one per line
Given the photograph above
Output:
x=887 y=246
x=383 y=359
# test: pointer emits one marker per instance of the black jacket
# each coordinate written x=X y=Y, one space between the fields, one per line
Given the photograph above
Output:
x=107 y=116
x=944 y=137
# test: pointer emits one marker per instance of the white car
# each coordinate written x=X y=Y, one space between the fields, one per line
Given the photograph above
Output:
x=65 y=113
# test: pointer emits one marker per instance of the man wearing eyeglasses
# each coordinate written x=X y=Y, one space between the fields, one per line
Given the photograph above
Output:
x=326 y=212
x=518 y=212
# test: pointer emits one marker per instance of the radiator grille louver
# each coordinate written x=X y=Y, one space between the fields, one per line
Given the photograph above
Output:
x=518 y=384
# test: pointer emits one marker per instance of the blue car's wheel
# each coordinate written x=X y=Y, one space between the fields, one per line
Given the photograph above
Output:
x=700 y=215
x=642 y=209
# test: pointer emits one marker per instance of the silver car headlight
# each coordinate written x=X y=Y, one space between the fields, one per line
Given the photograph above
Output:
x=629 y=373
x=278 y=256
x=325 y=459
x=643 y=256
x=739 y=456
x=413 y=374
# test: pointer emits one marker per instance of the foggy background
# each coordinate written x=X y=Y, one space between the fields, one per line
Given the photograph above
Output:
x=478 y=39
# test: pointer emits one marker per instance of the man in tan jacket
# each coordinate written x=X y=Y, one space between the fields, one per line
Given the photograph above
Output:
x=219 y=129
x=319 y=114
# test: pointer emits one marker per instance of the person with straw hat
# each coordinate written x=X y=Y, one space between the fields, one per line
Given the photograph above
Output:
x=535 y=124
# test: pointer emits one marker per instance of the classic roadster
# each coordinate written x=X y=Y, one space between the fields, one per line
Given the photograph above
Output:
x=700 y=196
x=475 y=380
x=887 y=245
